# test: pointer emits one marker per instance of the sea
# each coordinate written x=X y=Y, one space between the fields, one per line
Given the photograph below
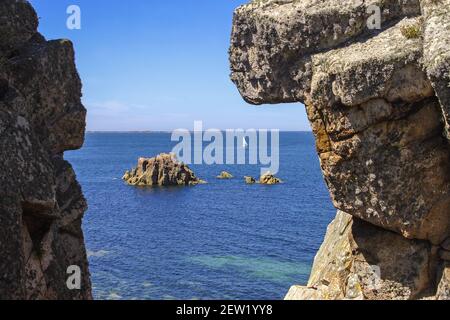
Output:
x=222 y=240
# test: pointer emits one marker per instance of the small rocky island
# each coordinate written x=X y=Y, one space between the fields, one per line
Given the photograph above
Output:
x=162 y=170
x=269 y=178
x=225 y=175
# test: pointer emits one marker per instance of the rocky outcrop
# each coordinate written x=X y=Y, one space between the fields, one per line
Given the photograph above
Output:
x=269 y=178
x=359 y=260
x=162 y=170
x=41 y=203
x=378 y=105
x=249 y=180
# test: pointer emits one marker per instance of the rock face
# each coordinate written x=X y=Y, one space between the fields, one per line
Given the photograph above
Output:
x=359 y=260
x=162 y=170
x=41 y=203
x=378 y=103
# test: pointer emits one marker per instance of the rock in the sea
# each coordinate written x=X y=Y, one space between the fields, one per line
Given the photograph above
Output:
x=378 y=103
x=162 y=170
x=269 y=178
x=41 y=203
x=250 y=180
x=443 y=291
x=225 y=175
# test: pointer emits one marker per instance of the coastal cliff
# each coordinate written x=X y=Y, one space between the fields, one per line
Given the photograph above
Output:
x=41 y=203
x=379 y=106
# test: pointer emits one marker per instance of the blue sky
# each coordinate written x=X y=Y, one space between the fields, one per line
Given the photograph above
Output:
x=159 y=65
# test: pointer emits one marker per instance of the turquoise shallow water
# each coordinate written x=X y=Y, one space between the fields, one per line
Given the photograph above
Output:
x=222 y=240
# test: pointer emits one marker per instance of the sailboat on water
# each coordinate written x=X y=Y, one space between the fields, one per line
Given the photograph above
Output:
x=244 y=143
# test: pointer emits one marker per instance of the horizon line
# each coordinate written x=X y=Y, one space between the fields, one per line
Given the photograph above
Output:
x=170 y=131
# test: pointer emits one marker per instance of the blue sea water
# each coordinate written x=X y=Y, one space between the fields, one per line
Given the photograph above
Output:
x=221 y=240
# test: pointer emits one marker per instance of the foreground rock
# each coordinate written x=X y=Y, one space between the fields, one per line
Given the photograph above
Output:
x=225 y=175
x=269 y=178
x=378 y=105
x=162 y=170
x=361 y=261
x=443 y=291
x=41 y=203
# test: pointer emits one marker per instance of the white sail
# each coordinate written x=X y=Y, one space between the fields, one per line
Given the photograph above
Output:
x=244 y=143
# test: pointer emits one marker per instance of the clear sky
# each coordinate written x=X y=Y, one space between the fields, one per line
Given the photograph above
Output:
x=159 y=65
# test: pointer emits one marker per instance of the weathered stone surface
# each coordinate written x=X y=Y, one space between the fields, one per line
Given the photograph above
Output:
x=162 y=170
x=444 y=255
x=378 y=106
x=273 y=40
x=41 y=204
x=436 y=45
x=18 y=26
x=374 y=115
x=360 y=261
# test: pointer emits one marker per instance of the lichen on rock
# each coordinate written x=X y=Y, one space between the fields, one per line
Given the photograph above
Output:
x=378 y=103
x=162 y=170
x=41 y=203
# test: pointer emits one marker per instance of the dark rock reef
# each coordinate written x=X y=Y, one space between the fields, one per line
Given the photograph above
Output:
x=378 y=103
x=41 y=203
x=162 y=170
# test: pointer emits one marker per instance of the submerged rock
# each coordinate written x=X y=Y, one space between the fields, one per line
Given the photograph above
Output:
x=250 y=180
x=269 y=178
x=225 y=175
x=162 y=170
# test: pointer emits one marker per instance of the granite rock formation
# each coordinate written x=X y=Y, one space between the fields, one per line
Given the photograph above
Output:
x=162 y=170
x=41 y=203
x=379 y=105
